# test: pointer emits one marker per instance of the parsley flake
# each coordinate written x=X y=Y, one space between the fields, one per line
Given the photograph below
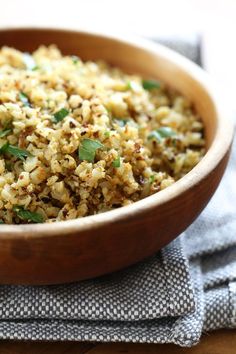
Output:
x=150 y=84
x=14 y=150
x=27 y=215
x=121 y=122
x=5 y=132
x=155 y=135
x=132 y=85
x=29 y=61
x=107 y=134
x=161 y=133
x=61 y=114
x=24 y=98
x=152 y=179
x=75 y=59
x=166 y=132
x=116 y=162
x=87 y=150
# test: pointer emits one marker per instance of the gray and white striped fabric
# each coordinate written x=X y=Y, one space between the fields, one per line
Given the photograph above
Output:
x=184 y=290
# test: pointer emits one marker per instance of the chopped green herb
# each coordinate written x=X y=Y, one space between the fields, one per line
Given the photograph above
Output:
x=75 y=59
x=121 y=122
x=128 y=86
x=28 y=215
x=87 y=150
x=60 y=115
x=132 y=85
x=5 y=132
x=29 y=61
x=150 y=84
x=86 y=154
x=161 y=133
x=116 y=162
x=2 y=222
x=166 y=132
x=35 y=68
x=92 y=144
x=152 y=178
x=15 y=151
x=24 y=98
x=155 y=135
x=107 y=134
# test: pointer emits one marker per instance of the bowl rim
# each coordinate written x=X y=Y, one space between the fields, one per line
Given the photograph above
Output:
x=219 y=146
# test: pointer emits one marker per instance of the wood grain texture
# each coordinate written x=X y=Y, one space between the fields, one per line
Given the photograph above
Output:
x=219 y=342
x=95 y=245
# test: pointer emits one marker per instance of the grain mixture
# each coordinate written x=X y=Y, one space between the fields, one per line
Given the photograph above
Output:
x=80 y=138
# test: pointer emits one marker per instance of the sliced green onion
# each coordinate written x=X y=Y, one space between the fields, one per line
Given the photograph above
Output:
x=24 y=98
x=116 y=162
x=87 y=150
x=5 y=132
x=128 y=86
x=150 y=84
x=60 y=115
x=15 y=151
x=28 y=215
x=92 y=144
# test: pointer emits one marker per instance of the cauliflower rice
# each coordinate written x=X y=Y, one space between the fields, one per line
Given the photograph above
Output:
x=80 y=138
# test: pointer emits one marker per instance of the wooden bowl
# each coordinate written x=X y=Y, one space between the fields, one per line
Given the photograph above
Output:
x=79 y=249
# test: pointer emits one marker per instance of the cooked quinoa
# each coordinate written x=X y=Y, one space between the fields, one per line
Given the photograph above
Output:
x=80 y=138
